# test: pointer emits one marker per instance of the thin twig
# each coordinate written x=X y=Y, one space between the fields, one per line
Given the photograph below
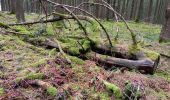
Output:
x=117 y=20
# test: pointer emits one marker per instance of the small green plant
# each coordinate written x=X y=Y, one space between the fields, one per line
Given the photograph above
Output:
x=113 y=88
x=131 y=92
x=1 y=91
x=52 y=91
x=35 y=76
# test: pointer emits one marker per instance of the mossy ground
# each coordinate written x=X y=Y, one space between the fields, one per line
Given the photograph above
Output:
x=20 y=60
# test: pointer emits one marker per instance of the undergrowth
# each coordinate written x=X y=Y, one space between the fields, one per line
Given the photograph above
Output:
x=29 y=62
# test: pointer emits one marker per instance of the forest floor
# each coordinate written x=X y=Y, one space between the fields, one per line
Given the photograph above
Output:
x=24 y=65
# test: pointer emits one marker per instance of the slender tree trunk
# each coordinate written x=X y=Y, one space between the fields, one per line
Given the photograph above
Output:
x=165 y=33
x=132 y=8
x=139 y=11
x=3 y=5
x=123 y=7
x=20 y=11
x=149 y=17
x=12 y=4
x=107 y=11
x=156 y=11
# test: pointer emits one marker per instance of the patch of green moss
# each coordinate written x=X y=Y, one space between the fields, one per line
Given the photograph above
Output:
x=76 y=60
x=94 y=68
x=19 y=41
x=151 y=54
x=134 y=49
x=35 y=76
x=31 y=76
x=38 y=63
x=85 y=45
x=50 y=30
x=104 y=96
x=4 y=25
x=21 y=29
x=24 y=72
x=77 y=69
x=164 y=74
x=52 y=52
x=39 y=50
x=52 y=91
x=113 y=88
x=66 y=40
x=73 y=51
x=2 y=91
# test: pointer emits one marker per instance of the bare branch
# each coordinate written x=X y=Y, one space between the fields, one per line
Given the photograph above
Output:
x=133 y=35
x=117 y=20
x=62 y=17
x=89 y=14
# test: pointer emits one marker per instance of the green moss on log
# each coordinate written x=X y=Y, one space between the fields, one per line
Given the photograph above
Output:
x=76 y=60
x=73 y=51
x=132 y=49
x=148 y=53
x=86 y=44
x=151 y=54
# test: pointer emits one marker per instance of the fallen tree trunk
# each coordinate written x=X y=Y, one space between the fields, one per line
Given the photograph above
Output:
x=61 y=17
x=126 y=52
x=146 y=65
x=141 y=59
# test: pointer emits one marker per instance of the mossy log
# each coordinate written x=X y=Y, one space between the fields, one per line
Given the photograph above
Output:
x=143 y=65
x=129 y=56
x=126 y=52
x=119 y=56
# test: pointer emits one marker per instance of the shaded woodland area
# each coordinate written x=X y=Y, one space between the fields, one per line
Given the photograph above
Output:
x=140 y=10
x=85 y=49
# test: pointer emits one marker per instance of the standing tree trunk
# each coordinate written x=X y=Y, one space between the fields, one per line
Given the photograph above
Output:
x=139 y=11
x=20 y=11
x=149 y=13
x=3 y=5
x=165 y=33
x=12 y=8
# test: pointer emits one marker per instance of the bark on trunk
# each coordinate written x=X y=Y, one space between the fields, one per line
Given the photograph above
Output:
x=165 y=33
x=12 y=4
x=144 y=65
x=20 y=11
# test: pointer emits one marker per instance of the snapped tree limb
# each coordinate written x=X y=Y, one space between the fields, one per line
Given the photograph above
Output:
x=137 y=60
